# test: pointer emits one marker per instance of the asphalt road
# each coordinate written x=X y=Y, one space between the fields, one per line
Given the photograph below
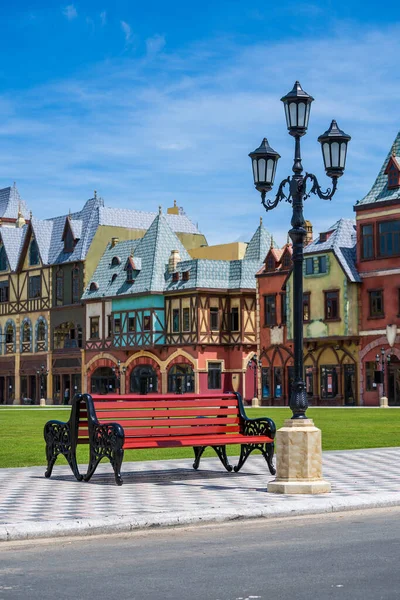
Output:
x=341 y=556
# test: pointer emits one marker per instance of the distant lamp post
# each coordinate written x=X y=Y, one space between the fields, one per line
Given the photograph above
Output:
x=334 y=141
x=254 y=364
x=382 y=376
x=118 y=371
x=42 y=376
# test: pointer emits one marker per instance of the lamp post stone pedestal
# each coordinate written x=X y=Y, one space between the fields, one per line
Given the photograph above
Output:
x=298 y=459
x=298 y=442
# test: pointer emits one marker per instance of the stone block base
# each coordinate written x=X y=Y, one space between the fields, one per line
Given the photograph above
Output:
x=299 y=487
x=298 y=459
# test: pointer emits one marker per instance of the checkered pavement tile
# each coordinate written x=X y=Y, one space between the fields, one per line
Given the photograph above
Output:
x=173 y=486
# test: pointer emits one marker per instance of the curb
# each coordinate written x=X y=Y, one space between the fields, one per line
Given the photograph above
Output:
x=123 y=524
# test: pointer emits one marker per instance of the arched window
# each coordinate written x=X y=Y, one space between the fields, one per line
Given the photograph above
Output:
x=59 y=287
x=76 y=296
x=144 y=380
x=26 y=336
x=3 y=259
x=9 y=331
x=41 y=335
x=103 y=381
x=33 y=253
x=181 y=379
x=94 y=286
x=114 y=277
x=115 y=261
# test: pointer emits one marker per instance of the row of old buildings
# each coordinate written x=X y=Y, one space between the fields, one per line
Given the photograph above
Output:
x=109 y=299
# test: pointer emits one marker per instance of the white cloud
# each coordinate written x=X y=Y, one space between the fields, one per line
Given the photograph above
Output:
x=182 y=126
x=70 y=12
x=155 y=44
x=103 y=18
x=126 y=28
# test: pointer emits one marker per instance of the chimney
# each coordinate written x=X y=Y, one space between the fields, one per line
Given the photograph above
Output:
x=309 y=234
x=173 y=261
x=114 y=241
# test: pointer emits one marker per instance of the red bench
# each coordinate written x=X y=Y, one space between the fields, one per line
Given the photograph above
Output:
x=111 y=424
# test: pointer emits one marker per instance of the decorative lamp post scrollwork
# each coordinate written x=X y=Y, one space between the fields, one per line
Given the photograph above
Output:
x=294 y=190
x=42 y=374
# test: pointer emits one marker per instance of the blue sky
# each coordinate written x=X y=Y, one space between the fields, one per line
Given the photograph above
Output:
x=147 y=103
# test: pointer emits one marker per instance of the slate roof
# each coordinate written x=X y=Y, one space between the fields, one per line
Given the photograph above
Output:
x=153 y=250
x=342 y=242
x=13 y=240
x=11 y=202
x=259 y=244
x=138 y=219
x=379 y=191
x=151 y=254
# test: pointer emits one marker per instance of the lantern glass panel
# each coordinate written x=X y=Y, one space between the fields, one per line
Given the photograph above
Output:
x=327 y=155
x=307 y=114
x=302 y=114
x=255 y=171
x=335 y=154
x=261 y=170
x=287 y=115
x=293 y=114
x=270 y=170
x=343 y=150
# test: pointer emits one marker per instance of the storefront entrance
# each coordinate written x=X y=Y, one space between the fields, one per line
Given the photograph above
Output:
x=393 y=385
x=349 y=385
x=143 y=380
x=181 y=379
x=103 y=381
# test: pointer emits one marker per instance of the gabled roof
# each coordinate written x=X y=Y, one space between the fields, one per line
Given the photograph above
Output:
x=13 y=240
x=151 y=254
x=138 y=219
x=342 y=242
x=259 y=244
x=379 y=191
x=11 y=203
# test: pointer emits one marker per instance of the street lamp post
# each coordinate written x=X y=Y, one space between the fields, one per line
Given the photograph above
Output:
x=264 y=160
x=380 y=361
x=254 y=364
x=118 y=371
x=42 y=374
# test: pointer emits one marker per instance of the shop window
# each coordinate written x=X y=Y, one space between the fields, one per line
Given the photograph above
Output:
x=94 y=328
x=306 y=307
x=389 y=238
x=185 y=319
x=266 y=382
x=35 y=287
x=214 y=376
x=278 y=382
x=214 y=318
x=367 y=241
x=329 y=381
x=181 y=379
x=234 y=318
x=369 y=370
x=270 y=310
x=143 y=380
x=175 y=320
x=309 y=379
x=376 y=303
x=331 y=306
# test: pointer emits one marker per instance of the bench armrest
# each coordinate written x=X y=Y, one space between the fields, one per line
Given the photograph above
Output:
x=107 y=436
x=259 y=426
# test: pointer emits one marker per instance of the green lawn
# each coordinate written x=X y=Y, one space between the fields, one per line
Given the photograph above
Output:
x=22 y=444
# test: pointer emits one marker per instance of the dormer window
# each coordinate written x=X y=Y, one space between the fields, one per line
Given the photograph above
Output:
x=129 y=274
x=94 y=286
x=33 y=253
x=287 y=260
x=3 y=258
x=114 y=277
x=115 y=261
x=175 y=276
x=185 y=275
x=68 y=241
x=270 y=263
x=393 y=172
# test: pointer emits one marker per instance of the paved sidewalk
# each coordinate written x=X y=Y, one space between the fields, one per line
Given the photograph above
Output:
x=165 y=493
